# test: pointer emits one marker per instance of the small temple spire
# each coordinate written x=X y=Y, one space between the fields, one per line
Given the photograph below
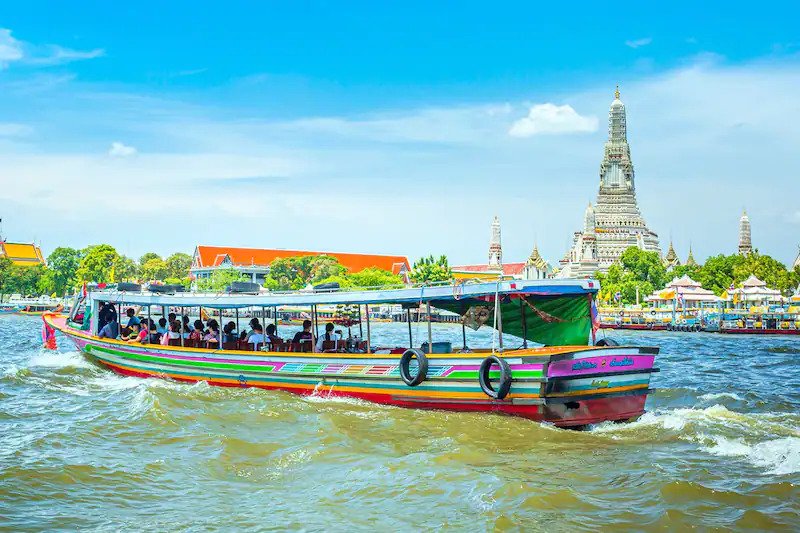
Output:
x=495 y=246
x=616 y=92
x=745 y=240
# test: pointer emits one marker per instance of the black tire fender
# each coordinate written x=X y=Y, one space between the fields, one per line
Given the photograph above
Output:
x=405 y=361
x=505 y=377
x=607 y=341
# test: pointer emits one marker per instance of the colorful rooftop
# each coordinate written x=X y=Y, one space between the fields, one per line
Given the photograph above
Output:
x=214 y=256
x=22 y=254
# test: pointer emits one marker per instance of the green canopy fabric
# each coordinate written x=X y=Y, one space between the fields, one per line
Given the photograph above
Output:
x=551 y=320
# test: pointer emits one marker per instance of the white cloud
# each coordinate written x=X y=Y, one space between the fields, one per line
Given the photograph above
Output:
x=10 y=48
x=57 y=55
x=121 y=150
x=549 y=118
x=10 y=129
x=636 y=43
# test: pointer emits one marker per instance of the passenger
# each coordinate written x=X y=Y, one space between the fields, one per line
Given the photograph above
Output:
x=254 y=323
x=171 y=318
x=271 y=337
x=162 y=326
x=174 y=333
x=105 y=314
x=187 y=328
x=257 y=335
x=329 y=335
x=140 y=336
x=133 y=320
x=212 y=332
x=155 y=336
x=229 y=332
x=197 y=332
x=305 y=335
x=111 y=329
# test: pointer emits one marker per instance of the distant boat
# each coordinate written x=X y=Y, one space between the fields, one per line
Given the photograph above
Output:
x=568 y=382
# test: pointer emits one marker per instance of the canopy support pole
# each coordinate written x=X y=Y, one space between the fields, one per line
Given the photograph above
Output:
x=237 y=321
x=410 y=338
x=360 y=327
x=148 y=324
x=499 y=312
x=221 y=330
x=464 y=335
x=369 y=338
x=183 y=326
x=430 y=330
x=524 y=322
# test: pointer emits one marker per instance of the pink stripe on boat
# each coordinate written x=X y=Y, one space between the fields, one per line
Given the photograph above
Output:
x=607 y=364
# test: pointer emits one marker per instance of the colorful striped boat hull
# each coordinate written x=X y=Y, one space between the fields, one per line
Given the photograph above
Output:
x=566 y=386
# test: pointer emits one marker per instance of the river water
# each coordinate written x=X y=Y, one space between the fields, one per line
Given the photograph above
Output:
x=83 y=448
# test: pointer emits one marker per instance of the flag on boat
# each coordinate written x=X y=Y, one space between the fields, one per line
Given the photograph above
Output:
x=595 y=317
x=48 y=335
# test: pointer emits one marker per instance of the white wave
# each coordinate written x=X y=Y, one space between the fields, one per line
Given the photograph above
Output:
x=50 y=359
x=720 y=395
x=779 y=456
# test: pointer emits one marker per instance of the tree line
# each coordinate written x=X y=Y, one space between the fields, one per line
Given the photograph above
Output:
x=645 y=271
x=68 y=268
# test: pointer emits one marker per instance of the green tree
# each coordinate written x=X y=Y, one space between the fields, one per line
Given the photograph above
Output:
x=26 y=280
x=368 y=277
x=717 y=273
x=178 y=265
x=5 y=276
x=219 y=280
x=154 y=269
x=431 y=270
x=644 y=266
x=292 y=273
x=97 y=264
x=765 y=268
x=147 y=257
x=62 y=266
x=125 y=269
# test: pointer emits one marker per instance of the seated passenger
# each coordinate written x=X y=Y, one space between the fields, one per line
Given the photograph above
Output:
x=212 y=332
x=254 y=323
x=305 y=335
x=133 y=320
x=129 y=334
x=329 y=335
x=256 y=336
x=111 y=329
x=187 y=328
x=162 y=326
x=271 y=337
x=141 y=336
x=229 y=332
x=197 y=332
x=174 y=333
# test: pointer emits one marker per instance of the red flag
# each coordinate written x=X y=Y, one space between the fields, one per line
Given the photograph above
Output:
x=48 y=335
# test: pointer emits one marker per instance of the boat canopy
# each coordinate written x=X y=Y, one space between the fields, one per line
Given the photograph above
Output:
x=552 y=312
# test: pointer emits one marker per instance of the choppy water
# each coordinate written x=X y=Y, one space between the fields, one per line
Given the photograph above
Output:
x=83 y=448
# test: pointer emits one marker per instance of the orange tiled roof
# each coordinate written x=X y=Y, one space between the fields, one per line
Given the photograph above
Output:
x=22 y=254
x=211 y=256
x=509 y=269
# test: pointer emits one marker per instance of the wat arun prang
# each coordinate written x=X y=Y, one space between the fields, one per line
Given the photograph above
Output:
x=614 y=223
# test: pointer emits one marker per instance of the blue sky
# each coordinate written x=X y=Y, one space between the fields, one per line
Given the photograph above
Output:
x=367 y=128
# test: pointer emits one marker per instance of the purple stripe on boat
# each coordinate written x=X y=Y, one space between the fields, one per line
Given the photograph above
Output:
x=603 y=364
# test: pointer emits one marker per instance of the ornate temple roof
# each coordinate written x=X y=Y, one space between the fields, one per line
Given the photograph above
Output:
x=690 y=260
x=671 y=259
x=537 y=260
x=22 y=254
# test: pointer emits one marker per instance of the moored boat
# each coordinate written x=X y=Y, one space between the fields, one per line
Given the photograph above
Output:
x=566 y=382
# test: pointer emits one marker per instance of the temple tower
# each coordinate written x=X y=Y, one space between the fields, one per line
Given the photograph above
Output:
x=495 y=248
x=617 y=222
x=745 y=243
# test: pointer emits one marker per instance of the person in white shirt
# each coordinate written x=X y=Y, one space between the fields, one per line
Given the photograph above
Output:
x=257 y=335
x=329 y=335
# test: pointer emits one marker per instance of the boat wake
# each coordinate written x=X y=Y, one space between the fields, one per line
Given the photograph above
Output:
x=768 y=441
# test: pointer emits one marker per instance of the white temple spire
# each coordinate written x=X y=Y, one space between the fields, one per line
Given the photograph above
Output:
x=745 y=241
x=495 y=246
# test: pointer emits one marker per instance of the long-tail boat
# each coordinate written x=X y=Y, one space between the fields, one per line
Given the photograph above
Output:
x=565 y=379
